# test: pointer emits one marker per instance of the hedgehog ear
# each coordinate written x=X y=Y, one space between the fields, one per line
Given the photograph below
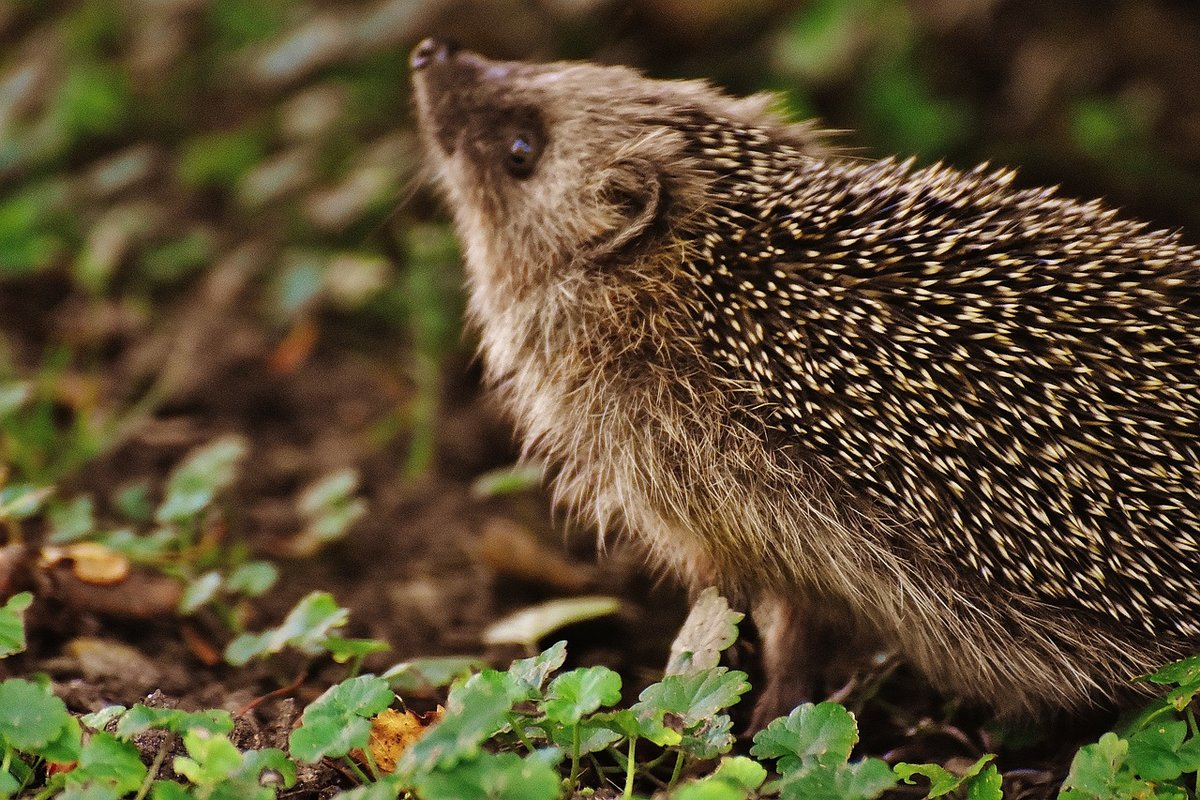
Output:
x=634 y=193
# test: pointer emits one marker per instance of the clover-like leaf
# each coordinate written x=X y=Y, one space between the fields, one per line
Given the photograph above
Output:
x=109 y=761
x=579 y=692
x=210 y=759
x=1154 y=750
x=695 y=698
x=710 y=628
x=340 y=719
x=252 y=578
x=1099 y=772
x=823 y=733
x=194 y=483
x=534 y=672
x=12 y=623
x=1183 y=671
x=475 y=711
x=712 y=737
x=306 y=627
x=941 y=780
x=143 y=718
x=31 y=718
x=862 y=780
x=426 y=674
x=494 y=776
x=594 y=735
x=733 y=779
x=987 y=785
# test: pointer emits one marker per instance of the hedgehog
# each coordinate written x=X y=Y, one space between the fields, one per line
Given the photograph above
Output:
x=874 y=401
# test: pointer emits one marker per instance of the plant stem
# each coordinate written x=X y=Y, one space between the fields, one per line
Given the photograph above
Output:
x=356 y=769
x=155 y=766
x=628 y=795
x=575 y=748
x=675 y=772
x=1191 y=720
x=353 y=668
x=516 y=729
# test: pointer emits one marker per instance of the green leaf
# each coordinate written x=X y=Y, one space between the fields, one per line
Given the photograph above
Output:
x=1099 y=772
x=98 y=720
x=22 y=500
x=711 y=738
x=508 y=480
x=256 y=762
x=306 y=627
x=107 y=760
x=219 y=160
x=475 y=711
x=710 y=628
x=12 y=623
x=194 y=483
x=142 y=718
x=579 y=692
x=987 y=785
x=211 y=758
x=342 y=650
x=595 y=735
x=1183 y=671
x=133 y=501
x=340 y=719
x=824 y=733
x=88 y=791
x=941 y=780
x=169 y=790
x=31 y=718
x=532 y=673
x=93 y=100
x=644 y=723
x=64 y=748
x=695 y=698
x=493 y=776
x=423 y=675
x=199 y=592
x=387 y=788
x=72 y=520
x=728 y=782
x=13 y=395
x=252 y=579
x=25 y=244
x=863 y=780
x=741 y=771
x=528 y=626
x=1154 y=750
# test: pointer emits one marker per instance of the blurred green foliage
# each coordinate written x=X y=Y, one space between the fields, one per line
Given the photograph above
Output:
x=144 y=144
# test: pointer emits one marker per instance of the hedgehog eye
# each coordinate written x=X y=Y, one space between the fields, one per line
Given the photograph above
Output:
x=522 y=153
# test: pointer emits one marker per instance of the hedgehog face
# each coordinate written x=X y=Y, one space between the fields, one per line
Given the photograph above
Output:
x=545 y=166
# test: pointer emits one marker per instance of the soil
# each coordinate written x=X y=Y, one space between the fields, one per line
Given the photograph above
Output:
x=432 y=564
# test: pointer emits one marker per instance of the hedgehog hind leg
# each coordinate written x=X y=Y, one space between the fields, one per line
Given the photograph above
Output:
x=809 y=648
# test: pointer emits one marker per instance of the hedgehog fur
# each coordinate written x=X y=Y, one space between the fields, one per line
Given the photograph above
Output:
x=957 y=416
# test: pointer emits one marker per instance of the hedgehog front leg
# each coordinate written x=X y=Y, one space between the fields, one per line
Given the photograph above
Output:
x=809 y=648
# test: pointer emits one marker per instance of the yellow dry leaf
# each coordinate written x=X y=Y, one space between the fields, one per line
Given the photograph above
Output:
x=393 y=732
x=96 y=564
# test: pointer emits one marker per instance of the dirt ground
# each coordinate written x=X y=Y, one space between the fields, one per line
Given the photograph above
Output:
x=1099 y=97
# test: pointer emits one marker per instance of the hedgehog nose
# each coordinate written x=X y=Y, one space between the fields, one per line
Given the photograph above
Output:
x=431 y=51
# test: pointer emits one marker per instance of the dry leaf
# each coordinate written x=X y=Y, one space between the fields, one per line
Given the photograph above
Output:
x=393 y=732
x=91 y=562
